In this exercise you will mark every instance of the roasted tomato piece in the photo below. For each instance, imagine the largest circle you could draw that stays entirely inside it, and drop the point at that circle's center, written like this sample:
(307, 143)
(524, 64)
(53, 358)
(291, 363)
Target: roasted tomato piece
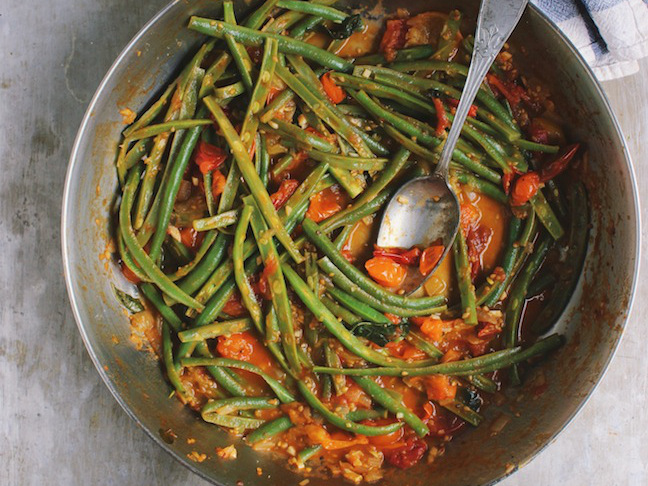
(408, 455)
(429, 258)
(525, 188)
(236, 346)
(386, 271)
(334, 92)
(394, 38)
(209, 157)
(399, 255)
(286, 189)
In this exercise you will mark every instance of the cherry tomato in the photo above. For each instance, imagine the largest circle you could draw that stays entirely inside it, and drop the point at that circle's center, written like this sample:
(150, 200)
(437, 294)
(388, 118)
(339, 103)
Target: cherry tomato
(334, 92)
(209, 157)
(235, 346)
(429, 258)
(386, 271)
(525, 188)
(399, 255)
(325, 204)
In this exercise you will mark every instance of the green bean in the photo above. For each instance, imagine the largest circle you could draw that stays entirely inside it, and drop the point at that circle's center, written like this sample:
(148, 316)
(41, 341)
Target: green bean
(287, 45)
(260, 94)
(176, 251)
(214, 330)
(208, 182)
(262, 160)
(238, 52)
(282, 393)
(230, 91)
(192, 282)
(220, 375)
(277, 285)
(269, 429)
(304, 191)
(167, 352)
(536, 147)
(152, 113)
(482, 382)
(466, 287)
(128, 261)
(167, 127)
(343, 236)
(132, 158)
(328, 13)
(154, 297)
(374, 193)
(170, 190)
(322, 108)
(232, 422)
(482, 364)
(288, 19)
(508, 261)
(214, 73)
(252, 178)
(323, 315)
(259, 16)
(227, 406)
(485, 187)
(276, 104)
(142, 259)
(344, 162)
(419, 341)
(407, 54)
(462, 411)
(317, 236)
(447, 40)
(576, 250)
(341, 422)
(408, 100)
(516, 298)
(547, 216)
(395, 406)
(306, 25)
(339, 311)
(349, 286)
(333, 360)
(217, 221)
(307, 453)
(541, 284)
(358, 307)
(245, 288)
(308, 139)
(366, 414)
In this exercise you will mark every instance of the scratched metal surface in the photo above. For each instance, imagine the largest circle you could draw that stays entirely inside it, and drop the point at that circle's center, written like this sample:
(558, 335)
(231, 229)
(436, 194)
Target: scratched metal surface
(58, 422)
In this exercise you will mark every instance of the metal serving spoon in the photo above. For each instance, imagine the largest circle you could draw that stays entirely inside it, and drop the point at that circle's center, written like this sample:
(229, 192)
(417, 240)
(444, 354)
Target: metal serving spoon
(425, 211)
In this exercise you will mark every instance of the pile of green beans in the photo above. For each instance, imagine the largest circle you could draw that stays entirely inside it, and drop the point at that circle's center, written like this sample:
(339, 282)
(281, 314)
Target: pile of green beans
(272, 120)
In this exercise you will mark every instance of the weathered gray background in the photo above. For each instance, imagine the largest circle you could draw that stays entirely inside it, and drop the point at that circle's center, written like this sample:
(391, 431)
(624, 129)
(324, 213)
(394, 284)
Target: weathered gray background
(58, 423)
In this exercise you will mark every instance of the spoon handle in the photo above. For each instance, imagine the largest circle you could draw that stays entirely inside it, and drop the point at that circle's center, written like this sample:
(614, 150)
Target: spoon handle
(496, 21)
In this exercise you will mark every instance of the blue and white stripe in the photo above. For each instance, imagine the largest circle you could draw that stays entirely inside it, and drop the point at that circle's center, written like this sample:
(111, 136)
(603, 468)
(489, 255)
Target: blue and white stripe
(612, 35)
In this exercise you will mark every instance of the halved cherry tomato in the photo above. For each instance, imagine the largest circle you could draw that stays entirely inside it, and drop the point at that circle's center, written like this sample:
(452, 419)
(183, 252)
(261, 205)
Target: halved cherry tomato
(525, 188)
(218, 183)
(440, 387)
(334, 92)
(236, 346)
(559, 164)
(325, 204)
(394, 38)
(286, 189)
(429, 259)
(455, 102)
(399, 255)
(442, 119)
(386, 271)
(209, 157)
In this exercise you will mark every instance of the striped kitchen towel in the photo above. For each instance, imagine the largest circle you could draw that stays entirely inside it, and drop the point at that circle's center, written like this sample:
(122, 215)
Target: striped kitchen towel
(612, 35)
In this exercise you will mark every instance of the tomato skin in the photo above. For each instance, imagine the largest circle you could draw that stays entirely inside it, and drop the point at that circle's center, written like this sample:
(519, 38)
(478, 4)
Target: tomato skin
(324, 204)
(386, 271)
(507, 179)
(235, 346)
(513, 93)
(286, 189)
(408, 455)
(209, 157)
(442, 119)
(455, 102)
(399, 255)
(394, 38)
(334, 92)
(429, 259)
(559, 164)
(525, 188)
(218, 183)
(477, 241)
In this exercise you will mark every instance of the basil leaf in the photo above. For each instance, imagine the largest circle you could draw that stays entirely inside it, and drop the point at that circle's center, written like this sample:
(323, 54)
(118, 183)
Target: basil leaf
(346, 28)
(132, 304)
